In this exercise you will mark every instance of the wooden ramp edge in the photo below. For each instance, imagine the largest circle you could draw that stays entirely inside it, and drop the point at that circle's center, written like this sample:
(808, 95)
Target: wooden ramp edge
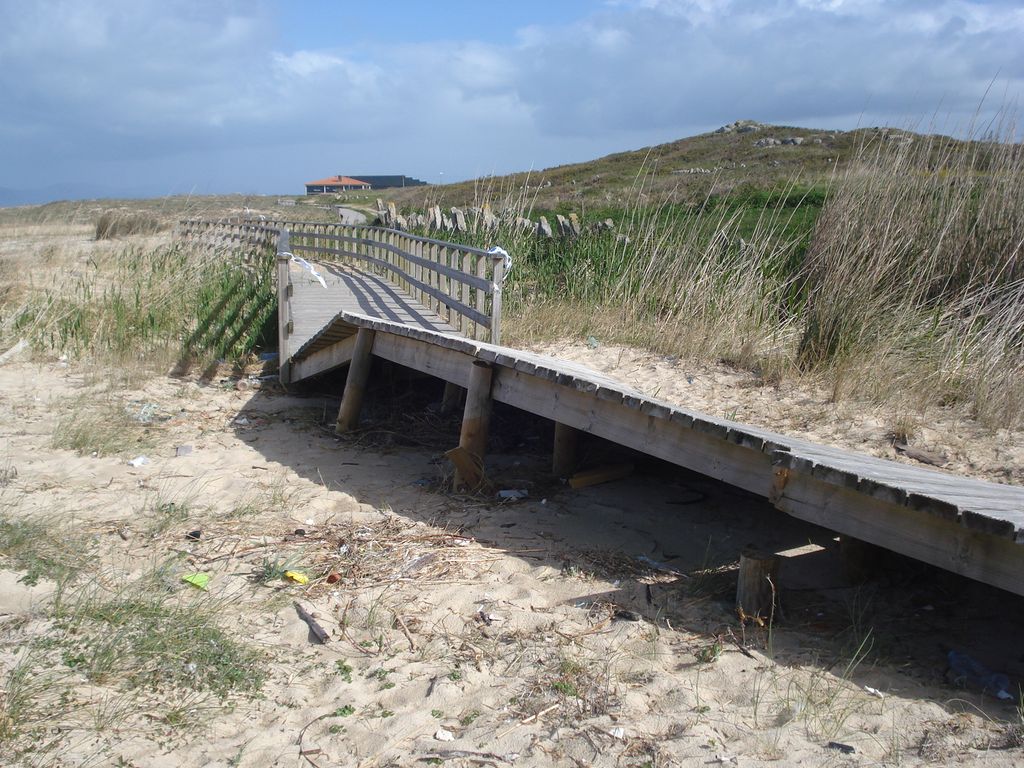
(972, 527)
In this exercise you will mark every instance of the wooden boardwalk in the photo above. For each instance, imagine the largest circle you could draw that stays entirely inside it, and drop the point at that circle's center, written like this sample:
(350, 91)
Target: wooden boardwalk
(971, 527)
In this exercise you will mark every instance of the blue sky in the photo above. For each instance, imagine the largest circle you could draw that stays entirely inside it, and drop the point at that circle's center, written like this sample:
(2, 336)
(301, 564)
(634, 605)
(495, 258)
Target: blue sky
(175, 96)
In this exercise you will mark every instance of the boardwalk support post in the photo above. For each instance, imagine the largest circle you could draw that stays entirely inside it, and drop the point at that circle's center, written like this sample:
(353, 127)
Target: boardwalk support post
(756, 591)
(860, 560)
(563, 459)
(355, 384)
(284, 307)
(450, 399)
(476, 419)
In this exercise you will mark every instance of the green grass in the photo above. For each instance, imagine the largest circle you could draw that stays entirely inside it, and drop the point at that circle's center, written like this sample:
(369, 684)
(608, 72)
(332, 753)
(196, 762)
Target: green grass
(156, 641)
(40, 549)
(154, 306)
(103, 425)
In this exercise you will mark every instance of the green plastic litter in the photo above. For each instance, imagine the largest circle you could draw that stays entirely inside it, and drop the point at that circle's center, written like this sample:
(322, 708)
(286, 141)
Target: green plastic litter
(199, 580)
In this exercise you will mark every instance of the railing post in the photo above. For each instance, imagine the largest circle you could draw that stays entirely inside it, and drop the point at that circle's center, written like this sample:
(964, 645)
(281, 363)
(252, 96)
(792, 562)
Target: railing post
(284, 305)
(499, 278)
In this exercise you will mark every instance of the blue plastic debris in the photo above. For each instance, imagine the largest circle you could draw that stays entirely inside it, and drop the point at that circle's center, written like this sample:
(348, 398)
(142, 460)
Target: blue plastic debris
(965, 671)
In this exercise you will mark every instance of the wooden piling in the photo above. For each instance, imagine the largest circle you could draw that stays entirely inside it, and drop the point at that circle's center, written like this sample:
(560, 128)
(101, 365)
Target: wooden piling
(756, 591)
(563, 457)
(451, 398)
(860, 560)
(476, 420)
(355, 384)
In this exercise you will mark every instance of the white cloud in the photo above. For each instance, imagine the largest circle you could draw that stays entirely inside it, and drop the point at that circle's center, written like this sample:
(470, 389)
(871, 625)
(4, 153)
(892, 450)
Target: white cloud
(146, 82)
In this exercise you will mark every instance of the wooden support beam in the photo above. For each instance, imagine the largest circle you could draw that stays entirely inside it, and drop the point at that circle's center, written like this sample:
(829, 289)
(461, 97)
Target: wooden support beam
(563, 458)
(451, 398)
(911, 532)
(355, 384)
(598, 475)
(324, 360)
(476, 419)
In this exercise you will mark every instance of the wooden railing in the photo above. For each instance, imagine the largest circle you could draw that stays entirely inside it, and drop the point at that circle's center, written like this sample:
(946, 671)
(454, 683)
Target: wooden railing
(460, 283)
(228, 233)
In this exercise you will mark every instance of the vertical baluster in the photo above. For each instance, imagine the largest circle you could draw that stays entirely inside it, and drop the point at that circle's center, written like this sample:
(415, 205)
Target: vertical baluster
(454, 287)
(481, 296)
(454, 315)
(431, 276)
(446, 260)
(403, 261)
(467, 266)
(498, 280)
(417, 271)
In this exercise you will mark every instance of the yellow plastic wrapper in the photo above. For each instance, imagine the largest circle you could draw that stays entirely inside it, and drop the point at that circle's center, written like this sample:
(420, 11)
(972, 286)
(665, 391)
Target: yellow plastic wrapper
(297, 576)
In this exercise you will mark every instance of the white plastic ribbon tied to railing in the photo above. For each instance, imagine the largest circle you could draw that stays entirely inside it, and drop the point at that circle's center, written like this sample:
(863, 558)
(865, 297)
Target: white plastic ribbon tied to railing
(306, 266)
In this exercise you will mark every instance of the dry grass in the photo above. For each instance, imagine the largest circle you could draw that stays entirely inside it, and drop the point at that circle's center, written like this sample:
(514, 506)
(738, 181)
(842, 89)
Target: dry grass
(909, 292)
(915, 277)
(115, 224)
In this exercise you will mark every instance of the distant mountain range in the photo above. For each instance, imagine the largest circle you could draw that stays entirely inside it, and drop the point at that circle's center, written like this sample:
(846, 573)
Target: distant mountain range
(49, 193)
(73, 191)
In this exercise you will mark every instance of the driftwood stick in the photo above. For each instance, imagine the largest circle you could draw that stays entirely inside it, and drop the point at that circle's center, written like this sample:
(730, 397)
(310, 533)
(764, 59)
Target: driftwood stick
(318, 632)
(405, 631)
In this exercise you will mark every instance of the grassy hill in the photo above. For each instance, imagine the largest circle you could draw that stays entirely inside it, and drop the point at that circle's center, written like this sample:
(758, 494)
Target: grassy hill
(683, 171)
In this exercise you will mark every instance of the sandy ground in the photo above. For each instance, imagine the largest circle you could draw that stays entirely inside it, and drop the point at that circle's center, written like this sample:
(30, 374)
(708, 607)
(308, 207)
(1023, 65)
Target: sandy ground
(569, 628)
(572, 628)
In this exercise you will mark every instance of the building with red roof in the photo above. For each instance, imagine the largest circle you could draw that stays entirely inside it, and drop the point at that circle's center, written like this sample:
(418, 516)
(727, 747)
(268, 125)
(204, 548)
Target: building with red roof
(334, 184)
